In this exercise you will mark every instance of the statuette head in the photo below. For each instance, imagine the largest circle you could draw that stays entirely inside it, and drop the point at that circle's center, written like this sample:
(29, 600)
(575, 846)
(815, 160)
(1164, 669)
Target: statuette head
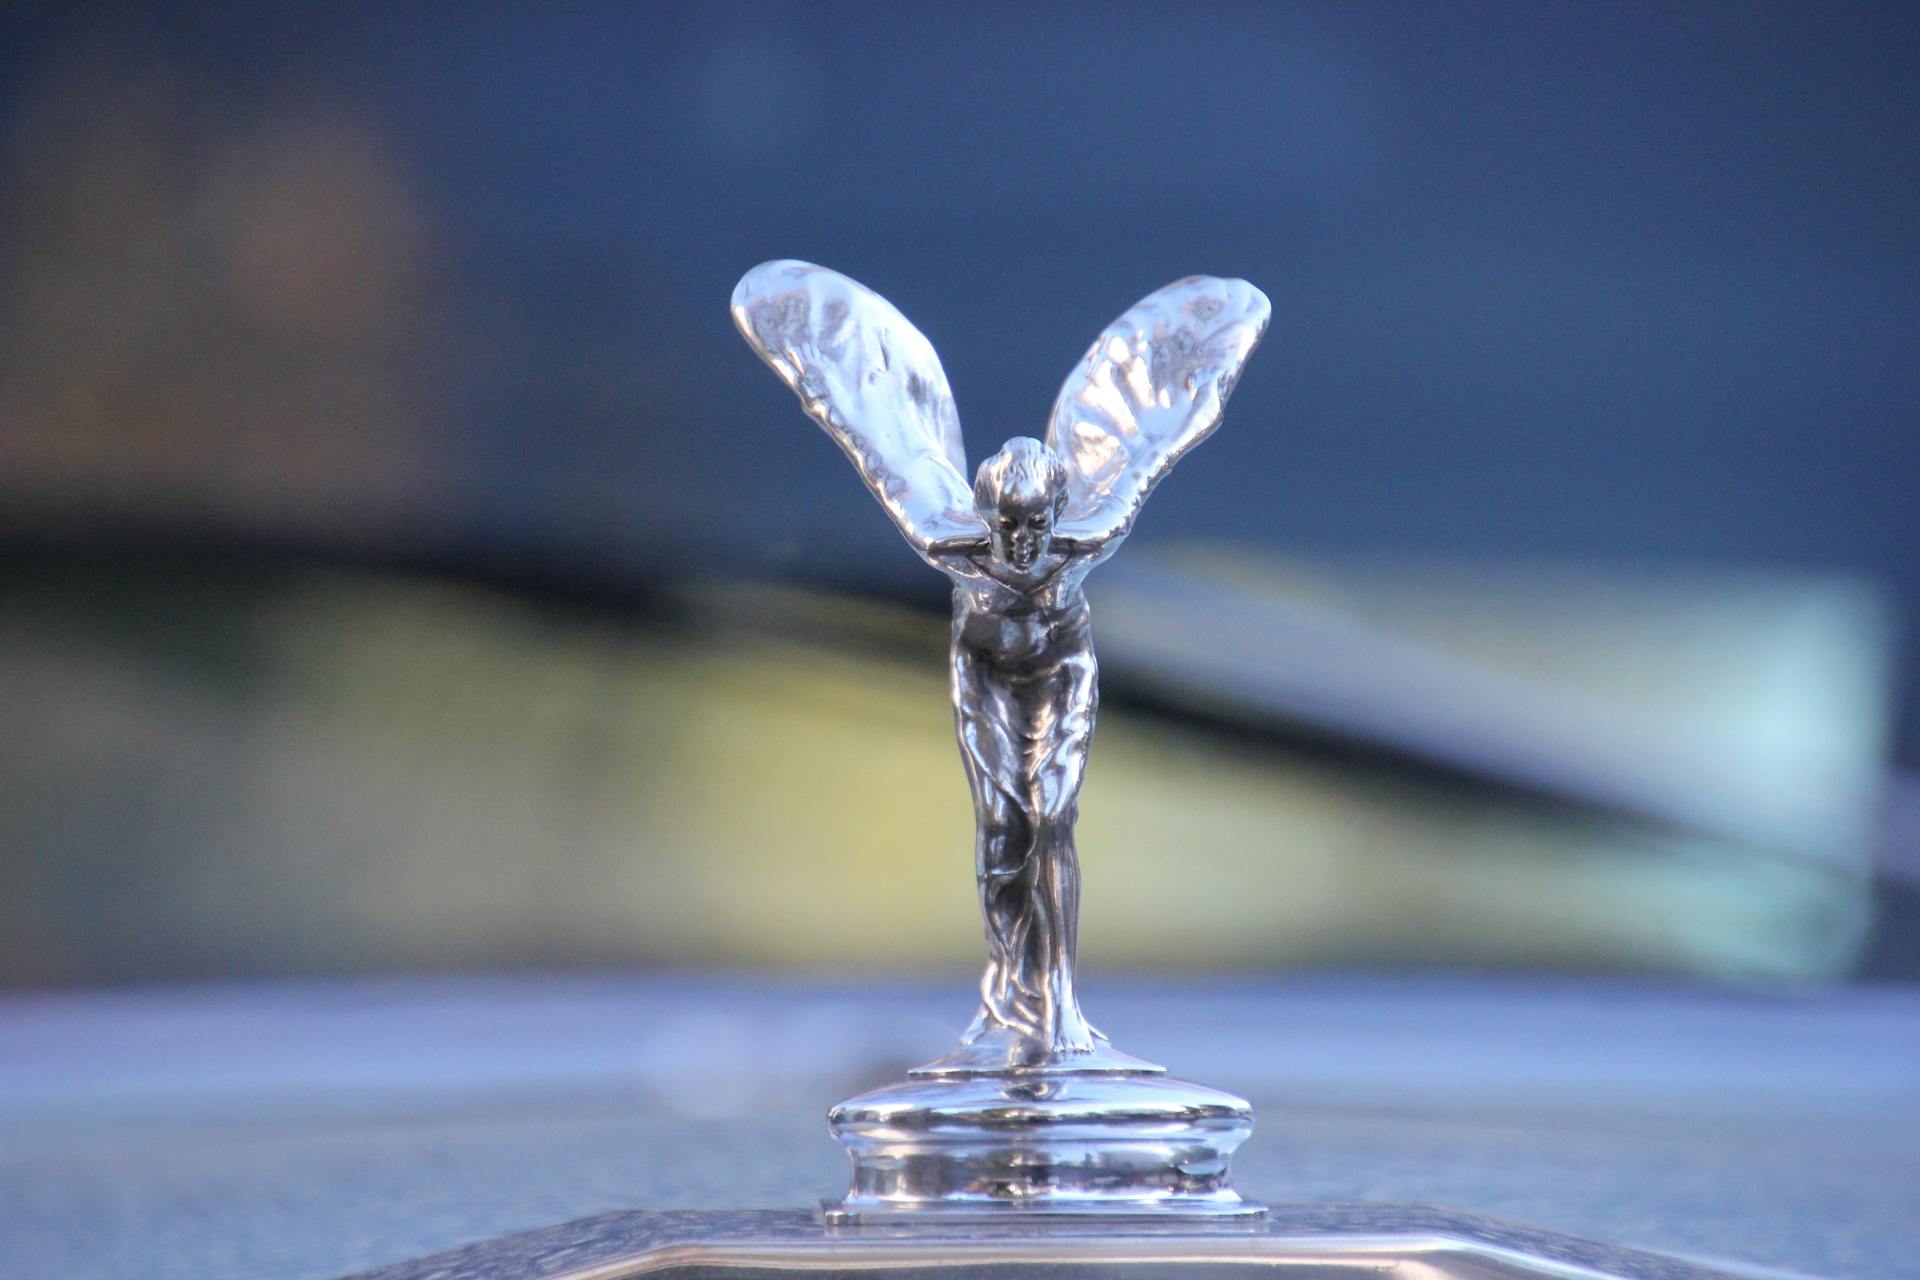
(1020, 492)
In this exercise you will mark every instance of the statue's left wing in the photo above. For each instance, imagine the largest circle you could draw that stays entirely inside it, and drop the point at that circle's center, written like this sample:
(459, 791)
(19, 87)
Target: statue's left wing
(1149, 389)
(873, 382)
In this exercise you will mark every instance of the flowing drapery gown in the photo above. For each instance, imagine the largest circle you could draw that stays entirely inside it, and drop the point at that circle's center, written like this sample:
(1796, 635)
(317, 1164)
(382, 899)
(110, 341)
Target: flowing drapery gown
(1025, 695)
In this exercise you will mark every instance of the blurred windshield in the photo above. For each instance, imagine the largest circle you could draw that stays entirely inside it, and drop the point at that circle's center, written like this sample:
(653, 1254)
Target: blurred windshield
(404, 565)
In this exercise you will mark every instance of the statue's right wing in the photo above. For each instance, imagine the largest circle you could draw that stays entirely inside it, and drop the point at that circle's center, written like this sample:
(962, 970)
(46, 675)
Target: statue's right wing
(872, 381)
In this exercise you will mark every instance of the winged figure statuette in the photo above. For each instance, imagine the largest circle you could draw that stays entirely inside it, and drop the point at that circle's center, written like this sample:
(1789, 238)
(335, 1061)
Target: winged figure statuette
(1017, 540)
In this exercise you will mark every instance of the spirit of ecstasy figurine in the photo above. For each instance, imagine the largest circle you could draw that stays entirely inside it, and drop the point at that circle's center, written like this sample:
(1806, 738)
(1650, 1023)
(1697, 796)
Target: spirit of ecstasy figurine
(1035, 1111)
(1035, 1147)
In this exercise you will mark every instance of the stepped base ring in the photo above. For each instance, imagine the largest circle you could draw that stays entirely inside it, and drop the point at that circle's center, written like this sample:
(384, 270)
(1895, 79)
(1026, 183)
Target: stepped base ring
(1077, 1144)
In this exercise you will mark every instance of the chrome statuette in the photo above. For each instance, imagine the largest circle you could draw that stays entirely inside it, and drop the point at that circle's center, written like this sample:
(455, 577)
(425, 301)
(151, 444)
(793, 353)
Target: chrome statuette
(1034, 1111)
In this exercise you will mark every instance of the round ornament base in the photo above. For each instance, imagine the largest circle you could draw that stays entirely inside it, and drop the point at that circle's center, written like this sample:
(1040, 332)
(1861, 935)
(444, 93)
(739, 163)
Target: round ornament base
(1078, 1143)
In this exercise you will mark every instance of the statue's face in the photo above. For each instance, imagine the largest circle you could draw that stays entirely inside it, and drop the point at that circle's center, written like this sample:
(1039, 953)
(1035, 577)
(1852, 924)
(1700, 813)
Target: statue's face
(1021, 529)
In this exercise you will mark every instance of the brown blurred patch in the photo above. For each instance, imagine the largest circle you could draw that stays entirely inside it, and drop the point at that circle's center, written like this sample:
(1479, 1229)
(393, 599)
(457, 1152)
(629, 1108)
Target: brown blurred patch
(221, 308)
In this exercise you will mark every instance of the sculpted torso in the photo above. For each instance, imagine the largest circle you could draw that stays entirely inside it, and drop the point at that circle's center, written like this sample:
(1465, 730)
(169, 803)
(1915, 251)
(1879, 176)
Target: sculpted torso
(1023, 622)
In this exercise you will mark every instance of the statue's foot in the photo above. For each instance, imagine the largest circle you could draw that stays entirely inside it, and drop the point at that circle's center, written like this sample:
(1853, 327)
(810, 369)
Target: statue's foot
(999, 1049)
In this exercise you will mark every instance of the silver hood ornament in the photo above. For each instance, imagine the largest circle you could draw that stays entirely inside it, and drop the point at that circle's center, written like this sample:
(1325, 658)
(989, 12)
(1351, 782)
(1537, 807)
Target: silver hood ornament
(1035, 1111)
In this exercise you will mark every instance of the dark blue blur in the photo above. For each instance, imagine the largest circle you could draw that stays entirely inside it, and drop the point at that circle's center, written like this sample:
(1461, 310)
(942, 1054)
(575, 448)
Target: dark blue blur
(1623, 284)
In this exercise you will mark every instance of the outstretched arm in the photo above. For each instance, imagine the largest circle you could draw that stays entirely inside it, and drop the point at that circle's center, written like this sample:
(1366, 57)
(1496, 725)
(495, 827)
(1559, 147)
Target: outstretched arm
(874, 384)
(1086, 539)
(1096, 529)
(966, 543)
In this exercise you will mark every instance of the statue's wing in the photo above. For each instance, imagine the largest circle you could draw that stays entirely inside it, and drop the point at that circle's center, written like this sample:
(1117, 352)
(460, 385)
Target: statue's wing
(873, 382)
(1150, 388)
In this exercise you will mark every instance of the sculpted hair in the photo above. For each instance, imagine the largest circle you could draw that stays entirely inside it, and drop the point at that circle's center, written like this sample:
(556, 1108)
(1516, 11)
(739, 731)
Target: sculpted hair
(1024, 469)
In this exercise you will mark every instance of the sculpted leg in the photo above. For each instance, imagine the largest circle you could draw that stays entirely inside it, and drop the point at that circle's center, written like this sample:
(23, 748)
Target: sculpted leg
(1008, 992)
(1004, 834)
(1056, 893)
(1055, 777)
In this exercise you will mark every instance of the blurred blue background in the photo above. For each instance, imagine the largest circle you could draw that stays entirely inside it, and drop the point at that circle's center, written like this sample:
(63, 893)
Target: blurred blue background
(439, 293)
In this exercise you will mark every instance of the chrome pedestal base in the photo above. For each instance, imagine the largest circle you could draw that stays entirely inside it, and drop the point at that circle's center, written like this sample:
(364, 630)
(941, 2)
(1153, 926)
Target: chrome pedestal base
(1105, 1139)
